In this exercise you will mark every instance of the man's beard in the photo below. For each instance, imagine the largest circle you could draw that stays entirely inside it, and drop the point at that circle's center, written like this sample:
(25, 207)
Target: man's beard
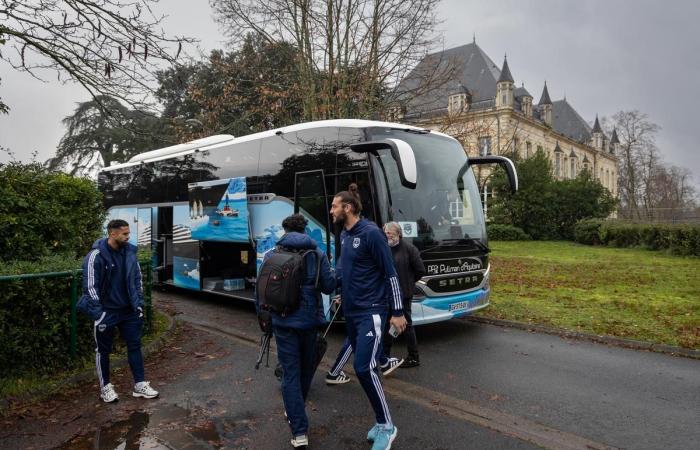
(340, 219)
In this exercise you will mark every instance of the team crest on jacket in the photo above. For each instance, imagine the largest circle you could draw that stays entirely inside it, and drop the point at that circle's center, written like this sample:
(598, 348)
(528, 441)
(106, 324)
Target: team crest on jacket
(355, 242)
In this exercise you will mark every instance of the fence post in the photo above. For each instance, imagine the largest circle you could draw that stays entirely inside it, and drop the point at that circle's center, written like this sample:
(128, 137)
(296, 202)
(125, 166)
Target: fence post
(147, 295)
(73, 314)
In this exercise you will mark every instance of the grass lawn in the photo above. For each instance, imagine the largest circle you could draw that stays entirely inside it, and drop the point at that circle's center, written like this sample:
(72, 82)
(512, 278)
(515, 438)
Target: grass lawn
(21, 385)
(629, 293)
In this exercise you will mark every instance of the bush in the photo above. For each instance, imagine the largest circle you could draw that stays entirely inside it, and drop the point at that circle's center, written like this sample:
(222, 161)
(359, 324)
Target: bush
(44, 213)
(677, 239)
(35, 318)
(587, 231)
(501, 232)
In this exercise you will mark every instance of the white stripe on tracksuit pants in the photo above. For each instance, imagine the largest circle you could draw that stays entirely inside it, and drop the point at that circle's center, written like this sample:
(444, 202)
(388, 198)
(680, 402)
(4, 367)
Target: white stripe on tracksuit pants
(365, 334)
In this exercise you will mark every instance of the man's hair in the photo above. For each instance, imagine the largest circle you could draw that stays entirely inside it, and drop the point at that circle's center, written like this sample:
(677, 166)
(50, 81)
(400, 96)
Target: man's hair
(394, 226)
(116, 224)
(350, 199)
(295, 222)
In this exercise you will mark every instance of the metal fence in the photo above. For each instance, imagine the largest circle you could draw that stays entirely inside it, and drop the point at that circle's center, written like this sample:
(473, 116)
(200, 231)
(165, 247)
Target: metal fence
(76, 281)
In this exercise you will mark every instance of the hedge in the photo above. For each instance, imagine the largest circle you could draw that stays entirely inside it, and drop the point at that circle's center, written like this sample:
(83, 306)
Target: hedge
(502, 232)
(35, 319)
(677, 239)
(44, 213)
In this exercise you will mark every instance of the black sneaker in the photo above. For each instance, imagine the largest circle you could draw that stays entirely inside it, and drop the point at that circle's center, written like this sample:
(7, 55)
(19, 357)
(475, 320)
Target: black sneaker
(410, 361)
(391, 365)
(341, 378)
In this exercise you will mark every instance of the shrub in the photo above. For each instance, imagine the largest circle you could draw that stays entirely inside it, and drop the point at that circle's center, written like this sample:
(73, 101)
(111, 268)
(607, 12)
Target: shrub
(35, 318)
(678, 239)
(502, 232)
(44, 212)
(587, 231)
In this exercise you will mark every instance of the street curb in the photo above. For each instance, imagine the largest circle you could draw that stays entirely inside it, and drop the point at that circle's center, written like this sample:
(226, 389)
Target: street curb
(87, 374)
(601, 339)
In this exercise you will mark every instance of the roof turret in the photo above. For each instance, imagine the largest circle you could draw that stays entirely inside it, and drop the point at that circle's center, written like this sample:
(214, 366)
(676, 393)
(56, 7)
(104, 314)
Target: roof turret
(505, 72)
(544, 99)
(614, 139)
(596, 126)
(558, 149)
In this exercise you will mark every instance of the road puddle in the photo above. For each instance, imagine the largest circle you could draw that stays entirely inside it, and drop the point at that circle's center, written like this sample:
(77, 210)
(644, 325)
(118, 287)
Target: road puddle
(166, 428)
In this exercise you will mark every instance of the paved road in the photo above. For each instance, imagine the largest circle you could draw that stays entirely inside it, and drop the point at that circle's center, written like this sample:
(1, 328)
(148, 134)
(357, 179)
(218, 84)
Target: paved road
(529, 386)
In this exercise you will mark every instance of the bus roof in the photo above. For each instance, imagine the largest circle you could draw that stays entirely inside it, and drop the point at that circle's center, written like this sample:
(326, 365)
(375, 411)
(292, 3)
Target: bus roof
(222, 140)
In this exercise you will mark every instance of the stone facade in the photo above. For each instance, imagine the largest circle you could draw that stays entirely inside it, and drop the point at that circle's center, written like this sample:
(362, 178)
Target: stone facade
(480, 106)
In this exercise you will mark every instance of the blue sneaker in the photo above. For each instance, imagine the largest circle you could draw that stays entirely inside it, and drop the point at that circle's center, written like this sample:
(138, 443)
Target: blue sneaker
(372, 433)
(384, 438)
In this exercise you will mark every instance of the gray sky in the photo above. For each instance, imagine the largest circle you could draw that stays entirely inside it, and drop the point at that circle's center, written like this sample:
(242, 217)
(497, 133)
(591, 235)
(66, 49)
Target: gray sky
(604, 55)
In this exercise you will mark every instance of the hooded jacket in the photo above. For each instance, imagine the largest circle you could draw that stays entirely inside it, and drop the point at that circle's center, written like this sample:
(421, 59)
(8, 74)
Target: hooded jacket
(310, 312)
(98, 267)
(366, 272)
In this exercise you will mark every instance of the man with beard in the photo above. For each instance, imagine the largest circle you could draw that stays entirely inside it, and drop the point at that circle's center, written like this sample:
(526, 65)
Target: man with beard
(368, 281)
(113, 298)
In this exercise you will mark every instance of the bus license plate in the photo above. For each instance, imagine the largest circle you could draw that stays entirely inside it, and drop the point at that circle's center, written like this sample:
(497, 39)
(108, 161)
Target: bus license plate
(459, 306)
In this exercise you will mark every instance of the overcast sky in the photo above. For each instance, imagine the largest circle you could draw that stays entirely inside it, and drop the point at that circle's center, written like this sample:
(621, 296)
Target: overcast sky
(604, 55)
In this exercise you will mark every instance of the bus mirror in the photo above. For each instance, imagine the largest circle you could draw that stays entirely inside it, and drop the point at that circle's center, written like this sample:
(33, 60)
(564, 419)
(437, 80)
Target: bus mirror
(504, 162)
(402, 153)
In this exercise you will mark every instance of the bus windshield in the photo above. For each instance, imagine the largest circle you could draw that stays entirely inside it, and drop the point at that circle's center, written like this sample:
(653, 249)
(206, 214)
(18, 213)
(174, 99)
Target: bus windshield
(445, 205)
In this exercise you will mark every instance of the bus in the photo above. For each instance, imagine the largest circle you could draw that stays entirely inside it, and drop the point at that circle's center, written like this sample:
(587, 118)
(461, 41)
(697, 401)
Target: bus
(209, 209)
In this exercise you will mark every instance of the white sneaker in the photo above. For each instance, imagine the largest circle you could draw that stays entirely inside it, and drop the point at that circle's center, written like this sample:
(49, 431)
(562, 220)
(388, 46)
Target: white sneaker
(341, 378)
(144, 389)
(300, 441)
(391, 365)
(108, 395)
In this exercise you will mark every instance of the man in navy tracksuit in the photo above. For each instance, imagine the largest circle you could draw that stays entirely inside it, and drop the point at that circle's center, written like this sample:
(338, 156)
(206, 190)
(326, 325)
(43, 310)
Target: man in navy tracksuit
(113, 298)
(369, 282)
(295, 333)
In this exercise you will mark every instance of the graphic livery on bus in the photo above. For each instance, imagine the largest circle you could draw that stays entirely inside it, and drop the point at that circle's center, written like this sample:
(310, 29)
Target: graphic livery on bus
(210, 209)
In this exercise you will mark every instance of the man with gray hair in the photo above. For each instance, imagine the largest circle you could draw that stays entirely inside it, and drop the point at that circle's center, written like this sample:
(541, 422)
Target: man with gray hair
(410, 269)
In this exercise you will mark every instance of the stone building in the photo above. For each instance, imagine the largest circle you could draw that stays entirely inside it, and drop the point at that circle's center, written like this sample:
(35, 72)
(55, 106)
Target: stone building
(463, 93)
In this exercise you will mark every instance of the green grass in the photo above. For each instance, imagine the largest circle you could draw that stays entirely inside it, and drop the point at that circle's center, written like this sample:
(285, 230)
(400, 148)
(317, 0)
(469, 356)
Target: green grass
(47, 384)
(629, 293)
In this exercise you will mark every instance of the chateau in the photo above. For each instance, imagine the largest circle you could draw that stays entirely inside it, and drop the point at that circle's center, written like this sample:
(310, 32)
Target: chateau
(463, 93)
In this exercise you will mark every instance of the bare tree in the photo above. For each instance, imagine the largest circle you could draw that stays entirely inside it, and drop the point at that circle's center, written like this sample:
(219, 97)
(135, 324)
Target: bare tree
(637, 156)
(351, 52)
(110, 47)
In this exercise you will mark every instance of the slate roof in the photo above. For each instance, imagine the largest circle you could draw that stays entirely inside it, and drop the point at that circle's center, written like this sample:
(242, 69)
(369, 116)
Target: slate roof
(614, 139)
(521, 92)
(558, 149)
(469, 68)
(505, 72)
(544, 98)
(566, 121)
(596, 126)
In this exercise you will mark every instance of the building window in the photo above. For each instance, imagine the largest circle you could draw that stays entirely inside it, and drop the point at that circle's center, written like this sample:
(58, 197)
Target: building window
(528, 149)
(485, 145)
(516, 146)
(456, 103)
(539, 148)
(557, 164)
(573, 167)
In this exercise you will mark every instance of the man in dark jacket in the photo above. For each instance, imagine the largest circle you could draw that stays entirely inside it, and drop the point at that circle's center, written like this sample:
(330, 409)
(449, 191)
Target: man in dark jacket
(368, 279)
(295, 333)
(113, 298)
(410, 268)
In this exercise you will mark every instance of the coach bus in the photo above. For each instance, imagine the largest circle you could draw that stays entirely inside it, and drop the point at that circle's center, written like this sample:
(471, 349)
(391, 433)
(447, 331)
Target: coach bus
(209, 209)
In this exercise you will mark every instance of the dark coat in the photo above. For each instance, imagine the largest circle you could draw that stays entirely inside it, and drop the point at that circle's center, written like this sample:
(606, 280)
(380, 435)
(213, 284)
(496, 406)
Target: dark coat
(409, 266)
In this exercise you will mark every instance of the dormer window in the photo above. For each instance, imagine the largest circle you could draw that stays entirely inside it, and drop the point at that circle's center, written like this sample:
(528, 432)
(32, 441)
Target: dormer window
(457, 103)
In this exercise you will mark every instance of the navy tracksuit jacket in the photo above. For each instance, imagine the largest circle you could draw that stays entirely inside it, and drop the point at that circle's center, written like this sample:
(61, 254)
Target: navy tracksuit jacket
(113, 298)
(369, 285)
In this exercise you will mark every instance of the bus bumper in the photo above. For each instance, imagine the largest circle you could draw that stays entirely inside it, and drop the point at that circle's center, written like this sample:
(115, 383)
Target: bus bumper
(437, 309)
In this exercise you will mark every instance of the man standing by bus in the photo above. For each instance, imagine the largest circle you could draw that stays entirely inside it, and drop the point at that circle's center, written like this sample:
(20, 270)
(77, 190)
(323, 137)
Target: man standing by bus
(113, 298)
(368, 281)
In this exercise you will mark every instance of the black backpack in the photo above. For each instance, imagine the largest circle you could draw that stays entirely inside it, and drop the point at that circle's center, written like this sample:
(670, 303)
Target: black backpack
(279, 282)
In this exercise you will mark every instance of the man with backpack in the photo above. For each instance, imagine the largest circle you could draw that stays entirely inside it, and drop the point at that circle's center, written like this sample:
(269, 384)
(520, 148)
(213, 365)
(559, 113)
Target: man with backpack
(369, 282)
(288, 285)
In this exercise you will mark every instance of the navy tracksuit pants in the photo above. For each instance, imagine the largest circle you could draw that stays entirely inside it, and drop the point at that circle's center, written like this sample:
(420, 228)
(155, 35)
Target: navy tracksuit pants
(364, 332)
(129, 325)
(296, 350)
